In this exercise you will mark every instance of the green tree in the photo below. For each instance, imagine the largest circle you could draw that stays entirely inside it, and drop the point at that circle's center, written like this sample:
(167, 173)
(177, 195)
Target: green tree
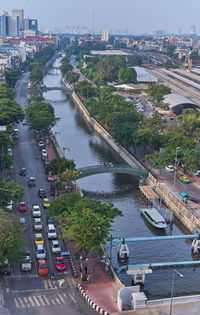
(65, 68)
(127, 75)
(11, 237)
(36, 74)
(38, 106)
(157, 91)
(86, 221)
(85, 89)
(189, 120)
(191, 159)
(12, 75)
(5, 91)
(10, 112)
(72, 77)
(59, 165)
(42, 121)
(9, 190)
(134, 60)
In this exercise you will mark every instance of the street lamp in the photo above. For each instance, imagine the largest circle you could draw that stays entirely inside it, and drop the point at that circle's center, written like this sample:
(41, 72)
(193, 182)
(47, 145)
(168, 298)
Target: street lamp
(177, 148)
(172, 289)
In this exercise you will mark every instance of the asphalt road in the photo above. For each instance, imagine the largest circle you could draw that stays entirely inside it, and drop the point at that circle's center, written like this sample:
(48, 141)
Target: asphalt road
(26, 292)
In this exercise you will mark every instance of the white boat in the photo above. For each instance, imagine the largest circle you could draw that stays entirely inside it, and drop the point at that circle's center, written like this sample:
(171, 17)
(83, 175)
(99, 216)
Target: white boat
(154, 217)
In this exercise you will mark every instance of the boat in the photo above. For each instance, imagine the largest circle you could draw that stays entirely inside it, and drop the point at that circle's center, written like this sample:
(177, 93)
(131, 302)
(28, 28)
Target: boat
(154, 217)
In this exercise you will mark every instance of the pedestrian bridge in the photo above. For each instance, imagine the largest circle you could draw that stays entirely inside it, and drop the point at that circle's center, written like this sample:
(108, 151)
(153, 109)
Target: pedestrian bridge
(44, 89)
(111, 168)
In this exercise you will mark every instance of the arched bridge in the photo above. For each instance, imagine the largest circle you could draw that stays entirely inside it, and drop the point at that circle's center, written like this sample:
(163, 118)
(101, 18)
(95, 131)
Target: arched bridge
(111, 168)
(44, 88)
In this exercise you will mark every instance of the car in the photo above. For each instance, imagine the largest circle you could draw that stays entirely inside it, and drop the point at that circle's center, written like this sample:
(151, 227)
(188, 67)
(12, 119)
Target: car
(53, 189)
(22, 221)
(55, 247)
(10, 205)
(36, 211)
(27, 263)
(184, 179)
(5, 269)
(31, 182)
(51, 231)
(10, 151)
(22, 172)
(46, 203)
(50, 178)
(38, 239)
(42, 193)
(22, 206)
(24, 122)
(37, 224)
(42, 267)
(51, 220)
(41, 144)
(60, 264)
(170, 168)
(40, 252)
(44, 153)
(197, 173)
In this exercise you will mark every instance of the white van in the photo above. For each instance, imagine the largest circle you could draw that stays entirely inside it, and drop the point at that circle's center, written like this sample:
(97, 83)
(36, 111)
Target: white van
(51, 231)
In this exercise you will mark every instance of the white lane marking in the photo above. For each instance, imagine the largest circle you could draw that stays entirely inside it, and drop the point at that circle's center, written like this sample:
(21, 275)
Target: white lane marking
(45, 284)
(21, 302)
(26, 301)
(53, 302)
(36, 300)
(46, 300)
(50, 283)
(41, 300)
(31, 301)
(72, 298)
(16, 303)
(61, 298)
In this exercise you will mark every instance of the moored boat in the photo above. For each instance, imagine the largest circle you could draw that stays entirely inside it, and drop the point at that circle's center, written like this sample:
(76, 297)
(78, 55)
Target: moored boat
(154, 217)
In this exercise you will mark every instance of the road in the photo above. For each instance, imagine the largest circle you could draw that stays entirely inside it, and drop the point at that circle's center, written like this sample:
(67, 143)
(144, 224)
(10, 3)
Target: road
(26, 292)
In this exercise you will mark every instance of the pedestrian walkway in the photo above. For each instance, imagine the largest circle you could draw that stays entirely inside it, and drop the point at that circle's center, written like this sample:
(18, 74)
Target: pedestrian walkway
(50, 152)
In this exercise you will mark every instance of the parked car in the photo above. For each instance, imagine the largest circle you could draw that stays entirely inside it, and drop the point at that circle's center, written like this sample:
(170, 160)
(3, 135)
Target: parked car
(10, 151)
(5, 269)
(10, 205)
(51, 231)
(41, 144)
(50, 178)
(38, 239)
(31, 182)
(37, 224)
(44, 153)
(170, 168)
(197, 173)
(60, 264)
(42, 193)
(22, 172)
(24, 122)
(51, 220)
(27, 263)
(40, 252)
(53, 189)
(23, 223)
(55, 247)
(184, 179)
(42, 268)
(46, 203)
(22, 206)
(36, 211)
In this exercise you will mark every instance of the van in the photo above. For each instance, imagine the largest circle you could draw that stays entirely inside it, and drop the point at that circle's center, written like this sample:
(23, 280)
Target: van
(51, 231)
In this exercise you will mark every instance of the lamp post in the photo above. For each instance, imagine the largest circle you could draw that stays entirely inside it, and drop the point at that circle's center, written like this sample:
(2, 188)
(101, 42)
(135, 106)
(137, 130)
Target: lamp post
(177, 148)
(172, 288)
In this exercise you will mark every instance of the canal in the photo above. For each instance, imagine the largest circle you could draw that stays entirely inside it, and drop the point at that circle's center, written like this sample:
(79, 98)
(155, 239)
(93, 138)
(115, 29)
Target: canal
(87, 148)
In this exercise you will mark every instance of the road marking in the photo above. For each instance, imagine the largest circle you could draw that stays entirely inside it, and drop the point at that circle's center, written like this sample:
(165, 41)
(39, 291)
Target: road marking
(47, 301)
(58, 301)
(45, 284)
(53, 302)
(31, 301)
(21, 302)
(41, 300)
(62, 299)
(72, 298)
(26, 301)
(36, 301)
(16, 303)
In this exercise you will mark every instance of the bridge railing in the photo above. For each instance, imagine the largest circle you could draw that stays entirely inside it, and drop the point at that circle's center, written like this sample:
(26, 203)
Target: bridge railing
(108, 165)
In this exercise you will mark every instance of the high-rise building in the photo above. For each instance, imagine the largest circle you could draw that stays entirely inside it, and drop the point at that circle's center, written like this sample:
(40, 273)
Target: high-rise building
(33, 25)
(13, 25)
(4, 24)
(20, 14)
(105, 35)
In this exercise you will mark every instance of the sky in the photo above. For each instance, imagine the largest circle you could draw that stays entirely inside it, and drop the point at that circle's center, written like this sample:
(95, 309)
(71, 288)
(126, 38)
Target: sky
(141, 16)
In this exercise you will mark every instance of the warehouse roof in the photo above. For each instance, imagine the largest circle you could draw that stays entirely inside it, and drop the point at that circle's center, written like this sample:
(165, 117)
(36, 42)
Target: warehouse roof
(179, 102)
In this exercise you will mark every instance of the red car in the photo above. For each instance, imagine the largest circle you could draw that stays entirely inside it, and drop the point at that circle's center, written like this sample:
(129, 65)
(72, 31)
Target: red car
(22, 206)
(50, 178)
(60, 264)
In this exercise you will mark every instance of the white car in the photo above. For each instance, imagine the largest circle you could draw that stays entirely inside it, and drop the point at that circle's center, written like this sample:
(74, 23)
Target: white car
(55, 247)
(37, 224)
(10, 205)
(197, 173)
(27, 263)
(41, 144)
(44, 153)
(40, 252)
(10, 151)
(170, 168)
(36, 211)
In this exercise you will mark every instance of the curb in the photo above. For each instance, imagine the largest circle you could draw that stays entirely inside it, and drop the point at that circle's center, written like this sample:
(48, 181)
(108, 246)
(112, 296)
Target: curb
(91, 303)
(73, 267)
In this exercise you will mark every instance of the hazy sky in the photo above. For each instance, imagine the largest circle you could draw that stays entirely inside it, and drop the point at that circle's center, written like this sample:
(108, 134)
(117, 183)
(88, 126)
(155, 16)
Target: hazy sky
(141, 16)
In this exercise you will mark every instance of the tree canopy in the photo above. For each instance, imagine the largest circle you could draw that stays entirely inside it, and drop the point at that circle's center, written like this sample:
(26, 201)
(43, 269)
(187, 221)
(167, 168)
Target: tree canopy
(10, 112)
(157, 91)
(59, 165)
(127, 75)
(9, 190)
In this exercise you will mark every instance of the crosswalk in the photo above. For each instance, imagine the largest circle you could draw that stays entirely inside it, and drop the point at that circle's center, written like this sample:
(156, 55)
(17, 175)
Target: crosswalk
(48, 284)
(43, 300)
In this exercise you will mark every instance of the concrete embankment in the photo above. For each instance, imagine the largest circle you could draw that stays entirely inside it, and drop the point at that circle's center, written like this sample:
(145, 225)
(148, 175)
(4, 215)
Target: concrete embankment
(169, 198)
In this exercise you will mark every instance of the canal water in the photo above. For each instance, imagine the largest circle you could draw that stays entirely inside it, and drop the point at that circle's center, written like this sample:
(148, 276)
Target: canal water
(87, 148)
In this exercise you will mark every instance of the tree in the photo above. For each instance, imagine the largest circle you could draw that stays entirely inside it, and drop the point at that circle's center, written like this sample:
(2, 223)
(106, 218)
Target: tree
(38, 106)
(36, 74)
(134, 60)
(59, 165)
(72, 77)
(157, 91)
(5, 91)
(85, 89)
(11, 237)
(10, 112)
(189, 120)
(42, 121)
(12, 75)
(127, 75)
(191, 159)
(65, 68)
(86, 221)
(9, 190)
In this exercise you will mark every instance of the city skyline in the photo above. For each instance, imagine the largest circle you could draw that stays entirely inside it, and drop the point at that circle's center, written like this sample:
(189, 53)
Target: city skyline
(138, 17)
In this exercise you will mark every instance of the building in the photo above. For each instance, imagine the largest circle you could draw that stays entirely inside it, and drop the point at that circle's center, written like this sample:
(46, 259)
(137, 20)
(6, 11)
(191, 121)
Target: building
(20, 14)
(105, 35)
(143, 76)
(177, 103)
(13, 26)
(4, 27)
